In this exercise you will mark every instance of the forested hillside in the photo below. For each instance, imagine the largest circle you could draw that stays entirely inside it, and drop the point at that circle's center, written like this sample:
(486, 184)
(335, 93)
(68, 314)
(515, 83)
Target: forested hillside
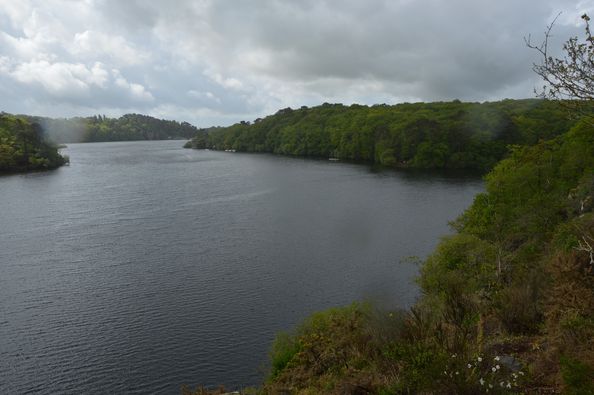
(423, 135)
(507, 303)
(23, 147)
(100, 128)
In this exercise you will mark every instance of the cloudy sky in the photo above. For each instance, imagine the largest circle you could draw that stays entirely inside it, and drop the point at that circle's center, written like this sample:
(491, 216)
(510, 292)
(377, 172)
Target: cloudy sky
(215, 62)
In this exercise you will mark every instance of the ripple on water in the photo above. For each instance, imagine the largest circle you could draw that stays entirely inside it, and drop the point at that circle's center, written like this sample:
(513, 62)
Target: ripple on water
(144, 266)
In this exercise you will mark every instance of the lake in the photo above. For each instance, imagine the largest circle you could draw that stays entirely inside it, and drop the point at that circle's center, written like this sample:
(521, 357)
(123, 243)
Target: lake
(143, 266)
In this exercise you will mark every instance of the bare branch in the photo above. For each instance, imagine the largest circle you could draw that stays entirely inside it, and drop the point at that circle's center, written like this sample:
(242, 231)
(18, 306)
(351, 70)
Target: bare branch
(585, 246)
(571, 78)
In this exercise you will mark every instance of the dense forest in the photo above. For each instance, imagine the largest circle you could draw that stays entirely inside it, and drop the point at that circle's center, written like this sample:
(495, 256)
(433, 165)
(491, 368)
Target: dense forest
(128, 127)
(423, 135)
(24, 148)
(507, 302)
(200, 139)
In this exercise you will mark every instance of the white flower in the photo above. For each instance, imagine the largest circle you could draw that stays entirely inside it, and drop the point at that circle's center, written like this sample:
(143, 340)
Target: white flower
(508, 385)
(496, 358)
(457, 373)
(501, 384)
(454, 355)
(479, 359)
(469, 366)
(515, 375)
(497, 367)
(493, 369)
(482, 381)
(521, 373)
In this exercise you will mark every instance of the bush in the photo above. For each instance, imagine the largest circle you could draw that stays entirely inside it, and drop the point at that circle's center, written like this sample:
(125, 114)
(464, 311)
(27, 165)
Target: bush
(518, 308)
(577, 377)
(457, 280)
(461, 257)
(284, 348)
(420, 365)
(341, 350)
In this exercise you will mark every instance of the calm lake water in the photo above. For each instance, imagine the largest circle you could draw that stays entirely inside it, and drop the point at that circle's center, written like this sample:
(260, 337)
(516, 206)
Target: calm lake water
(144, 266)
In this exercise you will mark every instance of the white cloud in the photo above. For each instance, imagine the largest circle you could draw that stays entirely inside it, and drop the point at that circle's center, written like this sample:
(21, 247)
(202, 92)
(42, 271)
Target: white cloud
(58, 79)
(194, 94)
(4, 65)
(17, 12)
(136, 91)
(93, 44)
(73, 82)
(226, 82)
(212, 61)
(22, 47)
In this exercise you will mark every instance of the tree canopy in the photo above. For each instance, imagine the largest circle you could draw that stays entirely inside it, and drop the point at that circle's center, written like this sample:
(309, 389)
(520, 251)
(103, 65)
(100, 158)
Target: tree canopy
(423, 135)
(506, 305)
(128, 127)
(23, 146)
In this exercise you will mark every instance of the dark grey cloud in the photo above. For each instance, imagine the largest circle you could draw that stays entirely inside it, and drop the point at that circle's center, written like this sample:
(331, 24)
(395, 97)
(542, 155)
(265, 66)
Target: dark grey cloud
(449, 49)
(221, 61)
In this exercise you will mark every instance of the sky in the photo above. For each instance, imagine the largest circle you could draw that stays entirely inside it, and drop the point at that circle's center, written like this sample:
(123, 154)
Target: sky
(216, 62)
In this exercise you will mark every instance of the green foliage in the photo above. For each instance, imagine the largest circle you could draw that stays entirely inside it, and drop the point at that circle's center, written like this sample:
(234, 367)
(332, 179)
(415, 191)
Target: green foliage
(331, 352)
(387, 157)
(461, 258)
(420, 365)
(200, 139)
(135, 127)
(515, 258)
(23, 146)
(284, 349)
(424, 135)
(128, 127)
(578, 377)
(514, 286)
(527, 198)
(519, 267)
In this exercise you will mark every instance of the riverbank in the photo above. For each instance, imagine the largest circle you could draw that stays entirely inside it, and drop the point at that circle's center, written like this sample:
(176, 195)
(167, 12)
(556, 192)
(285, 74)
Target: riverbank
(507, 303)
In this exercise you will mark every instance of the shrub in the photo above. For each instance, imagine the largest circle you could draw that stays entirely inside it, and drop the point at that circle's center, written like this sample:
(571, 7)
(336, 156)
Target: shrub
(329, 350)
(518, 307)
(419, 365)
(577, 377)
(461, 257)
(284, 349)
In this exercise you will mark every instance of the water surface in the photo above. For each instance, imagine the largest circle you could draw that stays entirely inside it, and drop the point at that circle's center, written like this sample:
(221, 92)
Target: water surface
(144, 266)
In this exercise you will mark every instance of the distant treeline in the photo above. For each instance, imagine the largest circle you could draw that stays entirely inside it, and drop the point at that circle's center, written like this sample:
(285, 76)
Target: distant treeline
(129, 127)
(24, 148)
(423, 135)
